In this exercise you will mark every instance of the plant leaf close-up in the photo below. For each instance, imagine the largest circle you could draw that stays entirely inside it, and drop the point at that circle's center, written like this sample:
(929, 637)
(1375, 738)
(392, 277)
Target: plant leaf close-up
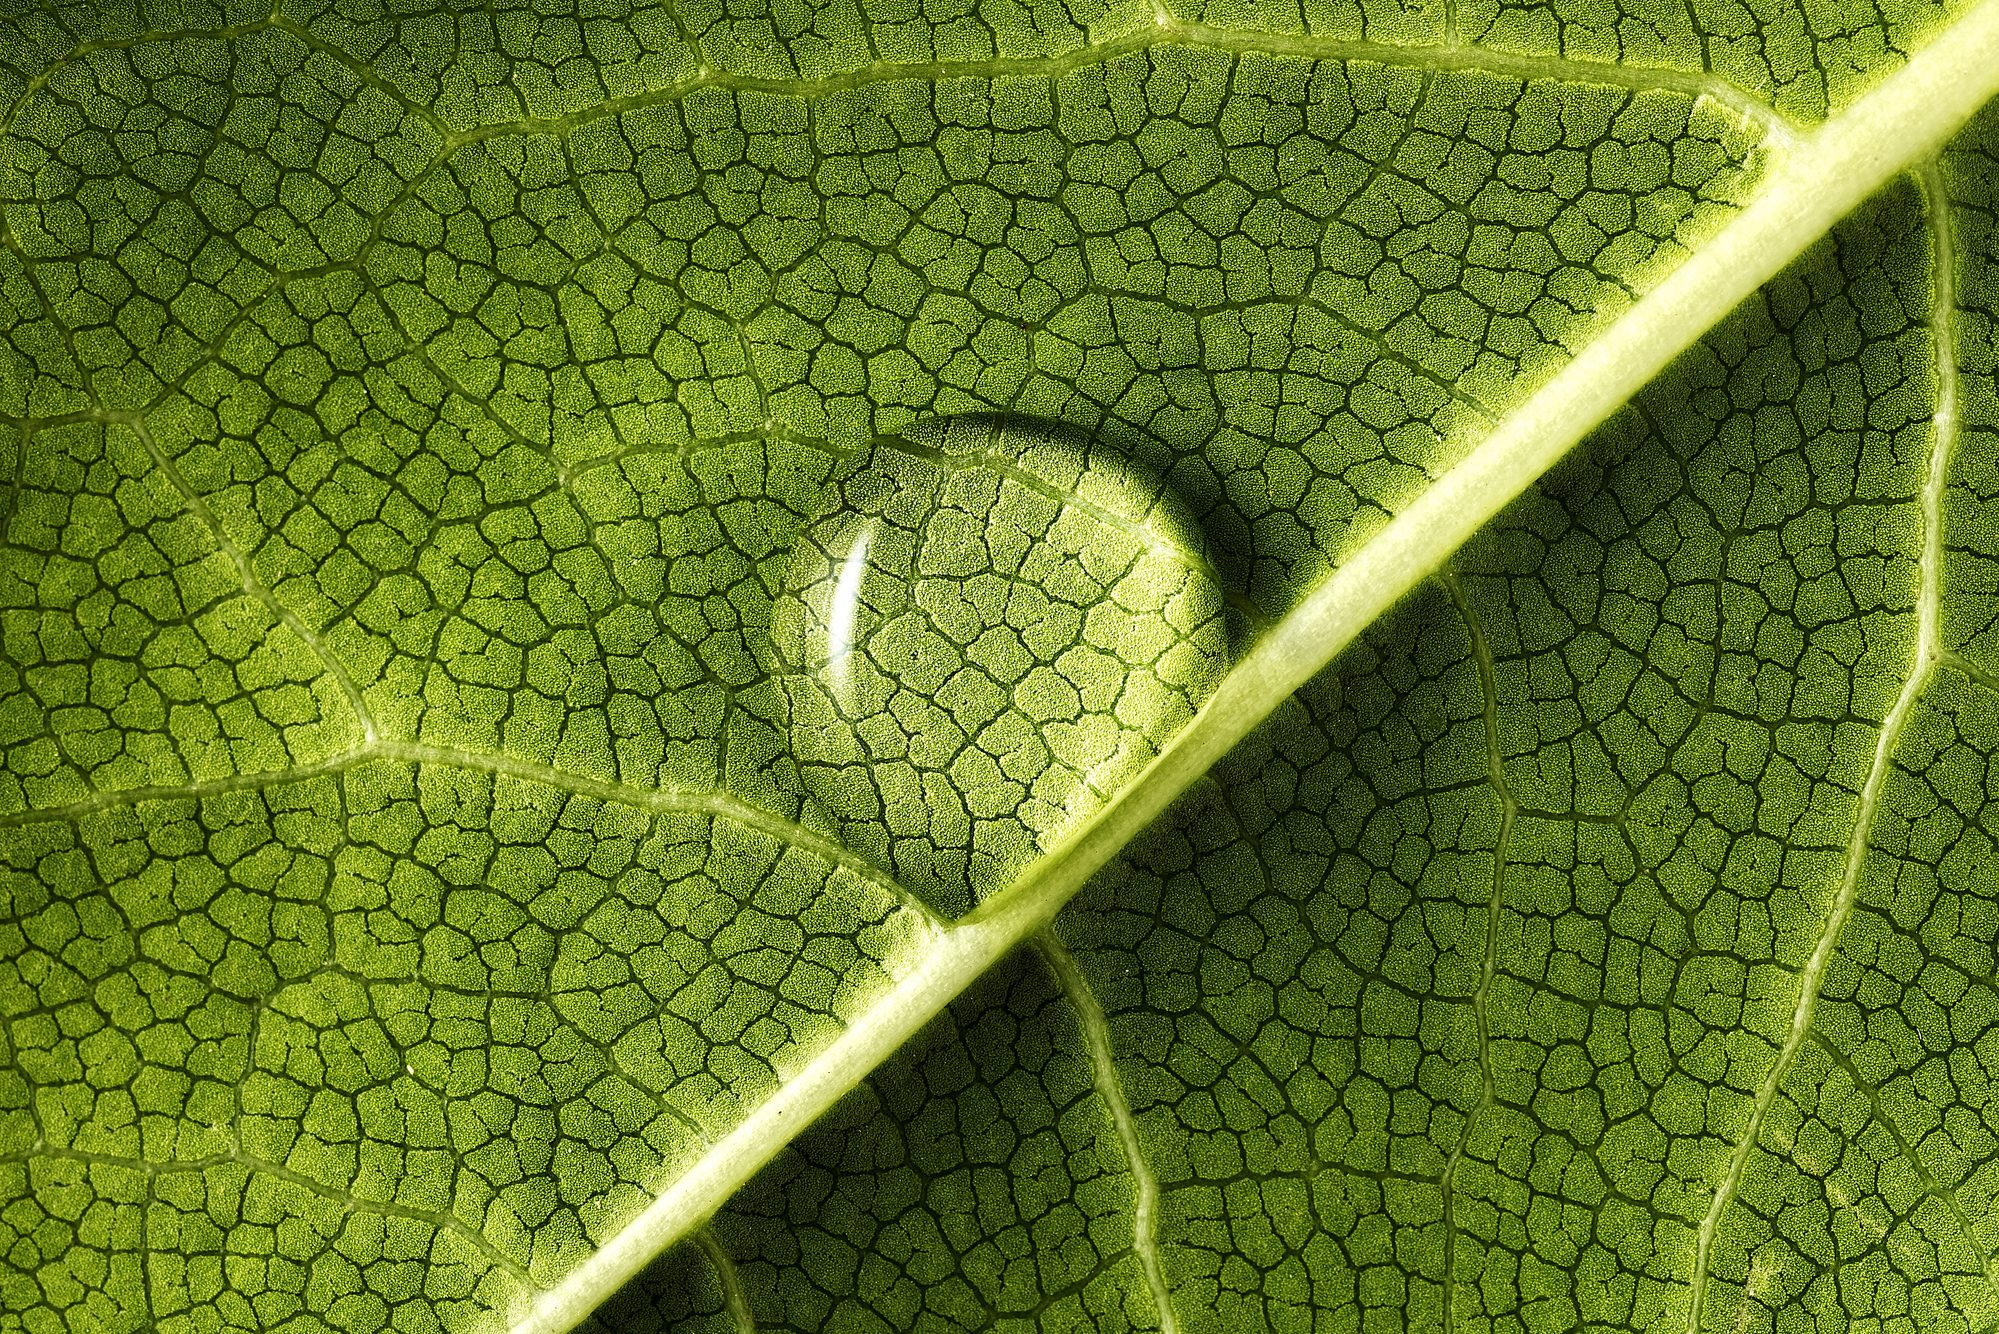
(952, 664)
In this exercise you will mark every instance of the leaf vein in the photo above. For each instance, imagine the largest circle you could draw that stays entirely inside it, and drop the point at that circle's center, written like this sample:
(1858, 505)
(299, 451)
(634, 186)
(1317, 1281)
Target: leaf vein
(1096, 1029)
(1922, 666)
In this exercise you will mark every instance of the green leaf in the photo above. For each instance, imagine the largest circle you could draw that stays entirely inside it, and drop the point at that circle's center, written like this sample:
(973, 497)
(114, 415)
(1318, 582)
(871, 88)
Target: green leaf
(437, 882)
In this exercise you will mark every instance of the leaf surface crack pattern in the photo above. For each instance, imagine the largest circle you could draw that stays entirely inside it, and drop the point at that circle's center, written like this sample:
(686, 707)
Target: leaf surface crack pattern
(405, 867)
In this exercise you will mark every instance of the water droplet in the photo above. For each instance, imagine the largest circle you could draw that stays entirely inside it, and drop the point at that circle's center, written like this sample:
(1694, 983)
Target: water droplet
(986, 631)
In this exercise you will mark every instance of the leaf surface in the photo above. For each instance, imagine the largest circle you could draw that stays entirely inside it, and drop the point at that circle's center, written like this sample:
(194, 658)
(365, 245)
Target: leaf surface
(413, 875)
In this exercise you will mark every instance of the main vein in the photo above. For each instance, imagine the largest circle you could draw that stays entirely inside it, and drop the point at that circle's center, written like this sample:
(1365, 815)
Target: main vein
(1815, 183)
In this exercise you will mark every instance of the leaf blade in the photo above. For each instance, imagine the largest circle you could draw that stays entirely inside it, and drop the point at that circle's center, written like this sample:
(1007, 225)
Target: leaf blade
(1898, 125)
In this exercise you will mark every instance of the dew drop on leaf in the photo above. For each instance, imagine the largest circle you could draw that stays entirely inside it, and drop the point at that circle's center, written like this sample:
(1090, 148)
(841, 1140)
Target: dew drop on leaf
(986, 630)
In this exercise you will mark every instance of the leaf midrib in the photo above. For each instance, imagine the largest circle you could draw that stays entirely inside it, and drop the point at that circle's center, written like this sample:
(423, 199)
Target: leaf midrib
(1819, 181)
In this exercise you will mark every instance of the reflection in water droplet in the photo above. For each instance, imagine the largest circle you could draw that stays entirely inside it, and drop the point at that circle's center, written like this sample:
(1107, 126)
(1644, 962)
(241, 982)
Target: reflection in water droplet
(986, 631)
(840, 623)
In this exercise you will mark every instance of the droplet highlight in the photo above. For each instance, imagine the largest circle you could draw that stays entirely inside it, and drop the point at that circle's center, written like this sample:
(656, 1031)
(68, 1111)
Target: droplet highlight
(986, 631)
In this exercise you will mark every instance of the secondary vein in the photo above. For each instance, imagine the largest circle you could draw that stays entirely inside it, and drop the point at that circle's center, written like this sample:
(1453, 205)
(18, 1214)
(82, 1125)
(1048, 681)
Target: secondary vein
(1096, 1029)
(1923, 661)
